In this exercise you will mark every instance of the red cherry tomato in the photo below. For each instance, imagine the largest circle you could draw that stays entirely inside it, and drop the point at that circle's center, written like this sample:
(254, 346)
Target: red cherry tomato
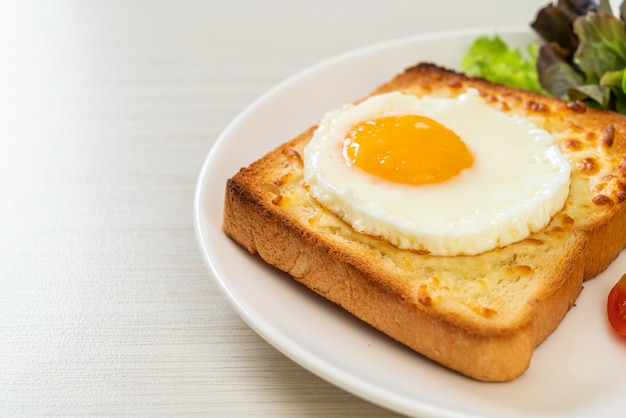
(616, 306)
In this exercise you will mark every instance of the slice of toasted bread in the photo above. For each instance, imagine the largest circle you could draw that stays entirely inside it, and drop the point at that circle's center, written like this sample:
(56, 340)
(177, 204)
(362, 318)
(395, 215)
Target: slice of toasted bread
(480, 315)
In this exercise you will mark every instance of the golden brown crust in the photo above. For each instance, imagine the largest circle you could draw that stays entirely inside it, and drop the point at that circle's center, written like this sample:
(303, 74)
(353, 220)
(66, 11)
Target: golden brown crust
(479, 315)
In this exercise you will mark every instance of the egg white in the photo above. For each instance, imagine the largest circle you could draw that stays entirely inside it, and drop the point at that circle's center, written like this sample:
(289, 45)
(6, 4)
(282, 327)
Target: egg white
(518, 181)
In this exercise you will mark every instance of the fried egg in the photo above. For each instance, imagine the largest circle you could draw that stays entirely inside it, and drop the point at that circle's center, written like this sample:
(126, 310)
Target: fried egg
(444, 176)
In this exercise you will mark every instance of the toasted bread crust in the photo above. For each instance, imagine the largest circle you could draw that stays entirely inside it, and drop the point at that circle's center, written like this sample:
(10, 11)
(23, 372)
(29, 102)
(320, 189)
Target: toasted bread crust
(479, 315)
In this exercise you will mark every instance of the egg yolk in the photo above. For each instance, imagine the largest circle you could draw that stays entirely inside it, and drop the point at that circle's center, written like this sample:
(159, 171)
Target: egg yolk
(409, 149)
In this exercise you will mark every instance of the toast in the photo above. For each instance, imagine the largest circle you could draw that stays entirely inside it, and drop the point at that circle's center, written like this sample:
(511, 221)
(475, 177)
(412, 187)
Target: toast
(480, 315)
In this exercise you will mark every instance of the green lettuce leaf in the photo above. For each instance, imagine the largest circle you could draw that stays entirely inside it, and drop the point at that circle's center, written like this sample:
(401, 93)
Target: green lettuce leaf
(491, 58)
(602, 45)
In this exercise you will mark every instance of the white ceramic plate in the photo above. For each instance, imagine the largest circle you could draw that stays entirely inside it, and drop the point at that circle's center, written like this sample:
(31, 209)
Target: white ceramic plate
(579, 371)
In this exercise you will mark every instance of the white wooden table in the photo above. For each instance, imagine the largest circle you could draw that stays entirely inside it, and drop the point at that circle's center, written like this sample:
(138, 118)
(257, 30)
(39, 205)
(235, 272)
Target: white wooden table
(107, 112)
